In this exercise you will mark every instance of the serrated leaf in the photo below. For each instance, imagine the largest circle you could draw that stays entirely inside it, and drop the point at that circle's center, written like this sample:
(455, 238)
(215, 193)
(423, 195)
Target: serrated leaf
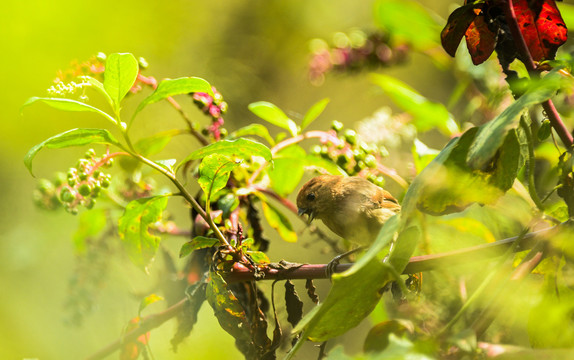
(119, 77)
(492, 134)
(314, 112)
(287, 170)
(278, 221)
(74, 137)
(171, 87)
(426, 114)
(272, 114)
(198, 242)
(68, 105)
(253, 130)
(239, 148)
(214, 172)
(91, 223)
(148, 300)
(133, 227)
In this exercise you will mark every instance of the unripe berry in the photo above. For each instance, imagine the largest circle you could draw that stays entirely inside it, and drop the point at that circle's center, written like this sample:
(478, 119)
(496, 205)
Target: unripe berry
(45, 186)
(351, 136)
(67, 196)
(370, 161)
(316, 150)
(90, 154)
(336, 125)
(60, 179)
(84, 189)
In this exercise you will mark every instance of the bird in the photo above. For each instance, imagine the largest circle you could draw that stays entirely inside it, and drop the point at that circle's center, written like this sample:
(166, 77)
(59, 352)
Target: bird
(350, 206)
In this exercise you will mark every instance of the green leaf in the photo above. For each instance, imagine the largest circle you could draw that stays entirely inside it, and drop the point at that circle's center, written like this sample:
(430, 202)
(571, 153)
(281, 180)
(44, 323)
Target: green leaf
(408, 22)
(68, 105)
(240, 148)
(171, 87)
(314, 112)
(352, 298)
(253, 130)
(91, 223)
(198, 242)
(492, 134)
(229, 312)
(119, 77)
(287, 170)
(278, 221)
(272, 114)
(133, 227)
(426, 114)
(258, 256)
(448, 185)
(148, 300)
(74, 137)
(422, 155)
(214, 172)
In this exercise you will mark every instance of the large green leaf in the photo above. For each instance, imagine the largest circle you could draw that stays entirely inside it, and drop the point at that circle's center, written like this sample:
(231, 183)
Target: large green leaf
(172, 87)
(198, 242)
(272, 114)
(448, 185)
(74, 137)
(287, 170)
(426, 114)
(492, 134)
(133, 227)
(314, 112)
(155, 143)
(119, 77)
(214, 172)
(253, 130)
(239, 148)
(408, 22)
(99, 87)
(68, 105)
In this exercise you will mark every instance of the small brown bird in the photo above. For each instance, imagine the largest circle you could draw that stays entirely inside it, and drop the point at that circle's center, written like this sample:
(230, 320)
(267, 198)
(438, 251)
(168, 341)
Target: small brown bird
(351, 207)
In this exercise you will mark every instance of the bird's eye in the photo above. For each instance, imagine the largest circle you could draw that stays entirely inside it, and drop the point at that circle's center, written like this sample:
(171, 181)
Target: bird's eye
(310, 196)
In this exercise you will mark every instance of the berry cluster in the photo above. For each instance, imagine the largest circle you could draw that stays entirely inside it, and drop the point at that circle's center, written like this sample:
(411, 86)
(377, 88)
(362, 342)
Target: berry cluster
(81, 186)
(352, 154)
(214, 107)
(353, 51)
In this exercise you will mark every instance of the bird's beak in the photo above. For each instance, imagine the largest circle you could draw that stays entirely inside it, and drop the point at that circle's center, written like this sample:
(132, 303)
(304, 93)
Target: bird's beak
(310, 215)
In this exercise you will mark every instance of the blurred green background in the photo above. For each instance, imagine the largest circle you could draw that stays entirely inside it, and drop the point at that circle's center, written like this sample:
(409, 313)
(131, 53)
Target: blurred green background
(250, 50)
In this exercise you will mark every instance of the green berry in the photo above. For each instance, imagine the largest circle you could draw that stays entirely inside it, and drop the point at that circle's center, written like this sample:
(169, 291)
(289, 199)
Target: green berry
(316, 150)
(105, 182)
(85, 190)
(383, 151)
(90, 154)
(351, 136)
(223, 132)
(371, 161)
(101, 57)
(336, 125)
(109, 163)
(358, 155)
(67, 196)
(143, 64)
(342, 160)
(90, 204)
(45, 186)
(380, 181)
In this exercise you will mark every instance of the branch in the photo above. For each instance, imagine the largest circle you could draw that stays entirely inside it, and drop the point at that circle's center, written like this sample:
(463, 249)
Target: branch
(318, 271)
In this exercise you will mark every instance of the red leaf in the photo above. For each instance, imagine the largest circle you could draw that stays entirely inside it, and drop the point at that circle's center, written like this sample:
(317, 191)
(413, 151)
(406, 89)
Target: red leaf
(542, 27)
(480, 40)
(553, 31)
(456, 26)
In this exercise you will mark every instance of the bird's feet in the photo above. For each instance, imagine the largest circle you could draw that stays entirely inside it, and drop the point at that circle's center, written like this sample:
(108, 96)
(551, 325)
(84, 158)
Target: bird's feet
(332, 265)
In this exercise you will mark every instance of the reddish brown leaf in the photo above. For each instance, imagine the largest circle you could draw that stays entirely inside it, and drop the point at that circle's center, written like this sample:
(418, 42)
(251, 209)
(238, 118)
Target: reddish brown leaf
(527, 24)
(553, 31)
(480, 40)
(542, 27)
(456, 26)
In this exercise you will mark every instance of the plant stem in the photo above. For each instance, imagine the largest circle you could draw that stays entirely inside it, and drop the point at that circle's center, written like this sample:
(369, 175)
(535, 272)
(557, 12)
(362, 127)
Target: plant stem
(531, 164)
